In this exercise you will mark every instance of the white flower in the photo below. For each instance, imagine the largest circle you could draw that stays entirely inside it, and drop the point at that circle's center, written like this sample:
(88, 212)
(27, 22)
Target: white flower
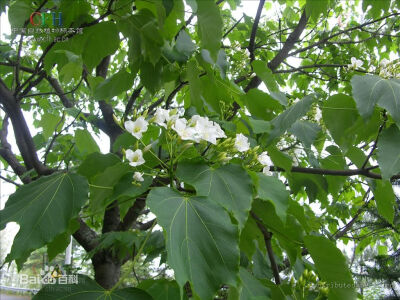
(137, 176)
(241, 143)
(384, 62)
(264, 159)
(135, 157)
(161, 116)
(185, 132)
(137, 128)
(267, 171)
(197, 129)
(355, 63)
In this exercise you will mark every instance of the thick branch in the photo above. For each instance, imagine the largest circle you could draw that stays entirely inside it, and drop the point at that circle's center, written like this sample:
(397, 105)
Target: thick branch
(22, 134)
(132, 215)
(8, 155)
(86, 236)
(106, 109)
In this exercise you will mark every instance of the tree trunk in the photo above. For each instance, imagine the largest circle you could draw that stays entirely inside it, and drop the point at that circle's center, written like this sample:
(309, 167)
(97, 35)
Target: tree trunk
(107, 270)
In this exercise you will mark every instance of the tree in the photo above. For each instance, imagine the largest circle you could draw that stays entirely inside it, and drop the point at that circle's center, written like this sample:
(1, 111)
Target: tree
(226, 130)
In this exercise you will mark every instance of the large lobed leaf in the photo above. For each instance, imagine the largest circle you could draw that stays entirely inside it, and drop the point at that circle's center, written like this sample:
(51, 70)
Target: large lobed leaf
(370, 90)
(389, 152)
(88, 289)
(332, 267)
(202, 243)
(229, 186)
(43, 209)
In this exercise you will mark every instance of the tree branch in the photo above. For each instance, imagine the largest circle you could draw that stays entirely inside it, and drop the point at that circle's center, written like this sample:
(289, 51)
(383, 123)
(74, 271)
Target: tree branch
(132, 99)
(278, 59)
(339, 33)
(347, 227)
(132, 215)
(233, 27)
(86, 236)
(267, 239)
(375, 143)
(22, 134)
(349, 172)
(8, 155)
(254, 29)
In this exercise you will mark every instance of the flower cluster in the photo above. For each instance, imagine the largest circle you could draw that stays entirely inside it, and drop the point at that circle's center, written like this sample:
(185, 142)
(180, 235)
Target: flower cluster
(355, 63)
(388, 69)
(195, 129)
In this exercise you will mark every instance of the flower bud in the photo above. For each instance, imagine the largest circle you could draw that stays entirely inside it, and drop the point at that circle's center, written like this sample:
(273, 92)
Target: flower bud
(187, 146)
(147, 148)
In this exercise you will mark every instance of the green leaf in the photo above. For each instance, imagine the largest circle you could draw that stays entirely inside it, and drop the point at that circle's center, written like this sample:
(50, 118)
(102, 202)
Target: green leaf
(265, 73)
(377, 6)
(261, 105)
(119, 243)
(96, 163)
(305, 131)
(271, 188)
(125, 188)
(370, 90)
(389, 152)
(184, 44)
(332, 267)
(161, 289)
(385, 199)
(195, 86)
(340, 107)
(280, 159)
(335, 161)
(88, 289)
(61, 241)
(315, 186)
(74, 13)
(19, 12)
(85, 142)
(101, 40)
(316, 7)
(229, 186)
(150, 76)
(286, 119)
(114, 85)
(202, 243)
(252, 288)
(210, 26)
(260, 126)
(102, 185)
(49, 122)
(43, 210)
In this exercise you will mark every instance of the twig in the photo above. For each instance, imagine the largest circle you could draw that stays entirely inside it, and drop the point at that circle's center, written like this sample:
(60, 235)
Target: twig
(375, 142)
(254, 29)
(9, 181)
(267, 239)
(233, 27)
(339, 233)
